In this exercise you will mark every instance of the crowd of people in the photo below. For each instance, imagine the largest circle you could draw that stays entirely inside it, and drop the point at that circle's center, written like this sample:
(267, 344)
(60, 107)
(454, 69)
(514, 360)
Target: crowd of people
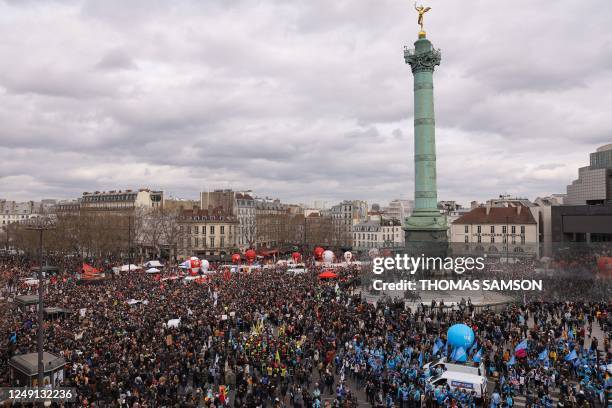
(275, 339)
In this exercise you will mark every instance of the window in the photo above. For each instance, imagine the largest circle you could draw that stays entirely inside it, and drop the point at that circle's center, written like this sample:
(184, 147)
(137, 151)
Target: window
(514, 229)
(212, 241)
(479, 239)
(467, 239)
(522, 240)
(466, 229)
(492, 229)
(513, 239)
(222, 239)
(522, 229)
(222, 231)
(478, 229)
(196, 230)
(197, 242)
(504, 229)
(492, 239)
(505, 239)
(212, 230)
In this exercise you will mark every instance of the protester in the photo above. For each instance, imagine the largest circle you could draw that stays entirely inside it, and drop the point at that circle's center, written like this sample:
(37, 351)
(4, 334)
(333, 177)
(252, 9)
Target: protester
(275, 339)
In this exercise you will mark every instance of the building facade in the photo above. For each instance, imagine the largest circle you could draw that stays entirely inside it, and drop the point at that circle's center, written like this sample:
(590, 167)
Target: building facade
(378, 233)
(594, 183)
(510, 231)
(207, 233)
(121, 201)
(344, 216)
(14, 211)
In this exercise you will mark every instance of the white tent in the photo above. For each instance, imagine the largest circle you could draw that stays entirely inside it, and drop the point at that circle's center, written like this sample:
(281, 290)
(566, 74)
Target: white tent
(153, 264)
(131, 267)
(152, 270)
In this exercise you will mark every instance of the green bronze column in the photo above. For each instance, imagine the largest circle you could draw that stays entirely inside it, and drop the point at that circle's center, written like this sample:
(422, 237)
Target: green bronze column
(426, 224)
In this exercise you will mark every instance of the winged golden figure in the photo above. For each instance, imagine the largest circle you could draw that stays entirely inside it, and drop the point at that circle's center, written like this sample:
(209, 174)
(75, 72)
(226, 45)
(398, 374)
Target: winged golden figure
(421, 10)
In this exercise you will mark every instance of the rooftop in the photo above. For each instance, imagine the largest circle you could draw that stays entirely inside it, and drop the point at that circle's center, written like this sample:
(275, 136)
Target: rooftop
(497, 215)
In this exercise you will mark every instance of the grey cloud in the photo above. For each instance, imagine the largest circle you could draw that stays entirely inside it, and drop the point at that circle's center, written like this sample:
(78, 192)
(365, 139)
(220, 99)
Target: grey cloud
(302, 100)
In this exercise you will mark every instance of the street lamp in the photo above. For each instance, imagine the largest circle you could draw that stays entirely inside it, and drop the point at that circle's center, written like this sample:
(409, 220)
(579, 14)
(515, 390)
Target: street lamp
(40, 224)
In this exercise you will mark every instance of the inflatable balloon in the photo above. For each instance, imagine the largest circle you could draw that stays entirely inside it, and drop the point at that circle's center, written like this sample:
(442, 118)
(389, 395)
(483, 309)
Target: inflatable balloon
(328, 256)
(194, 265)
(205, 265)
(296, 256)
(373, 253)
(318, 253)
(348, 256)
(250, 255)
(460, 335)
(236, 258)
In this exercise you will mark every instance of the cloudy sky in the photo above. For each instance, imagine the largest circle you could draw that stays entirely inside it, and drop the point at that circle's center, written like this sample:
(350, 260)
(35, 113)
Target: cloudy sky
(300, 100)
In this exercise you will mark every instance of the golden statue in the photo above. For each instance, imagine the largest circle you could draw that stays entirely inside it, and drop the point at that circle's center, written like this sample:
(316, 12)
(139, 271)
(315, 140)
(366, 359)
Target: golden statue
(421, 10)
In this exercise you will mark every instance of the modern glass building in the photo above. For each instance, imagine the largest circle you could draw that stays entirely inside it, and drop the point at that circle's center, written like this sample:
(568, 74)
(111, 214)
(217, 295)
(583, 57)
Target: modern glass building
(594, 183)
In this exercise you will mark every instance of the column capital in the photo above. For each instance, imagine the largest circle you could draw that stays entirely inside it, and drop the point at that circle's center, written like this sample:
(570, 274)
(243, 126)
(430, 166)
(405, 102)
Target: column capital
(422, 61)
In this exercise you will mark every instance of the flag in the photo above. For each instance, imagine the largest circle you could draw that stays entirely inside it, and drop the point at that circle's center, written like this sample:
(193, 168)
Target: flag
(521, 346)
(459, 354)
(571, 356)
(437, 346)
(512, 361)
(543, 355)
(421, 359)
(478, 356)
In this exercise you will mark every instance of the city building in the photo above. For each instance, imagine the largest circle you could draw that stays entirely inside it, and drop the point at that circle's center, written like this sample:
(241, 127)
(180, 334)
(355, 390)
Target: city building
(14, 211)
(584, 224)
(344, 216)
(240, 204)
(377, 233)
(594, 183)
(121, 202)
(271, 219)
(504, 231)
(209, 234)
(179, 204)
(398, 209)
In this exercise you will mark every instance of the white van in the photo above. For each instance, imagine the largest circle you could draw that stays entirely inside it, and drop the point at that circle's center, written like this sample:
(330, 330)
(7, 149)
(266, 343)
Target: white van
(468, 368)
(462, 381)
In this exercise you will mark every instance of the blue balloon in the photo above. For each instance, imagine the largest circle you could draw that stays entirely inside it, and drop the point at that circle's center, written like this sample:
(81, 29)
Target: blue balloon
(460, 335)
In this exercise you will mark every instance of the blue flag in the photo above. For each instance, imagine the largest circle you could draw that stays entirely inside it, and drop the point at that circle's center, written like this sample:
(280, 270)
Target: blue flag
(521, 346)
(512, 361)
(478, 356)
(421, 359)
(543, 355)
(571, 356)
(570, 334)
(437, 346)
(459, 355)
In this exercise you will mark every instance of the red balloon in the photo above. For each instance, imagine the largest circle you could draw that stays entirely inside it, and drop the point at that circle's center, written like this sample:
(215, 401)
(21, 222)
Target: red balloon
(236, 258)
(250, 255)
(296, 257)
(318, 253)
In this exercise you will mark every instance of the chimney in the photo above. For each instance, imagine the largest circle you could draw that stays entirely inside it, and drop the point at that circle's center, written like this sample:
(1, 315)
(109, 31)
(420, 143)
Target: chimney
(488, 209)
(518, 209)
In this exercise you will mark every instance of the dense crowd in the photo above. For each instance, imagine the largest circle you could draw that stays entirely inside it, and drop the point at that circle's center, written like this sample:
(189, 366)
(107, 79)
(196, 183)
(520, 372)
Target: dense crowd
(276, 339)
